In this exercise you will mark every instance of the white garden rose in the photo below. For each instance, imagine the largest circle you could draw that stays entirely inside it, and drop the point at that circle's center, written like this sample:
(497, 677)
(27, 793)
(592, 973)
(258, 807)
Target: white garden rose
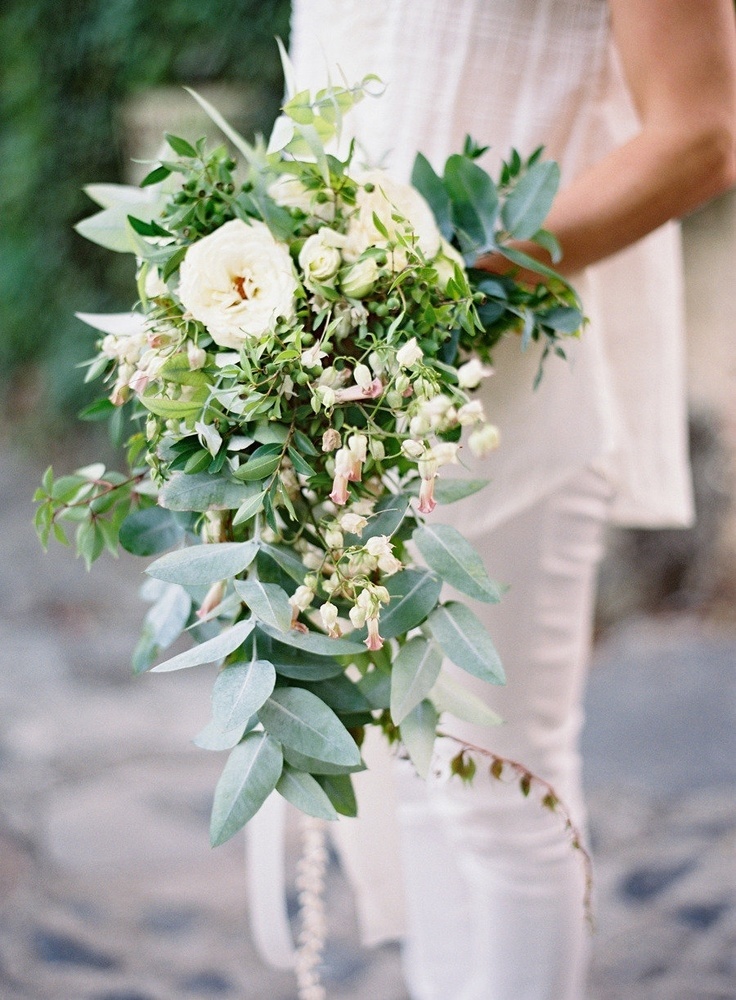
(237, 281)
(289, 192)
(320, 257)
(388, 198)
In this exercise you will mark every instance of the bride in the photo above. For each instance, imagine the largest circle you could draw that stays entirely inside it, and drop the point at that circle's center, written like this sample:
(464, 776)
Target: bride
(637, 103)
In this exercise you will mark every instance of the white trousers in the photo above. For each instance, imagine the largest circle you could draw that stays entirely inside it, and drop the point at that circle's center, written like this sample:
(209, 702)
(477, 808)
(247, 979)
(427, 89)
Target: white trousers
(494, 889)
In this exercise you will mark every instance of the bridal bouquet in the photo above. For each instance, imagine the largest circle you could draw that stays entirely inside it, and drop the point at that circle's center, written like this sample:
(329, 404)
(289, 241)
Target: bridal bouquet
(299, 370)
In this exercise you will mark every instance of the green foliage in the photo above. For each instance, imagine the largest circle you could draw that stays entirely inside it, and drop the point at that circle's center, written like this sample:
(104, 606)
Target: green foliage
(65, 69)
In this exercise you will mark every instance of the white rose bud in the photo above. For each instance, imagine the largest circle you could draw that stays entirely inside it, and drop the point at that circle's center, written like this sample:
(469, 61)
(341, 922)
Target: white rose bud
(483, 440)
(408, 355)
(320, 257)
(359, 279)
(470, 374)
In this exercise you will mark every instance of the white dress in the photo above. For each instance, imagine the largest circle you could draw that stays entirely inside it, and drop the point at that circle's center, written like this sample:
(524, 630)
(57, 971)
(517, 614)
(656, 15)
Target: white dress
(525, 73)
(520, 73)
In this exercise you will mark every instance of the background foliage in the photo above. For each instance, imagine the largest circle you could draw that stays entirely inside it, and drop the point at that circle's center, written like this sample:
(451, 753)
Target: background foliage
(65, 70)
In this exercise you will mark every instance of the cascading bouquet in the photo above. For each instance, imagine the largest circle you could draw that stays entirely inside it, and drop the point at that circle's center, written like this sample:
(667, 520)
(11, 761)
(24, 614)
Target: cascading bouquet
(299, 368)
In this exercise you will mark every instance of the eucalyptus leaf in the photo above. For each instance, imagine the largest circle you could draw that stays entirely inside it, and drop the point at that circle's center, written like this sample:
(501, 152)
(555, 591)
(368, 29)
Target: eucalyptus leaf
(418, 732)
(450, 696)
(262, 463)
(210, 650)
(450, 555)
(268, 602)
(341, 694)
(199, 565)
(175, 409)
(299, 719)
(314, 642)
(286, 560)
(339, 790)
(387, 517)
(298, 664)
(214, 738)
(415, 671)
(203, 492)
(250, 775)
(152, 530)
(529, 203)
(313, 766)
(428, 184)
(466, 642)
(414, 592)
(109, 229)
(249, 508)
(305, 793)
(451, 490)
(474, 203)
(376, 686)
(240, 690)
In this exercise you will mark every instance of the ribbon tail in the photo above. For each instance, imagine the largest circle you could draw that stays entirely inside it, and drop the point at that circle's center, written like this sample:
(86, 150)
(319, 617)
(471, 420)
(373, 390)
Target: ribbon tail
(266, 881)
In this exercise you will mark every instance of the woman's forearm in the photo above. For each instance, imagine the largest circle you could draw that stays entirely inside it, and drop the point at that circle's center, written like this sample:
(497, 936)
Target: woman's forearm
(655, 177)
(679, 59)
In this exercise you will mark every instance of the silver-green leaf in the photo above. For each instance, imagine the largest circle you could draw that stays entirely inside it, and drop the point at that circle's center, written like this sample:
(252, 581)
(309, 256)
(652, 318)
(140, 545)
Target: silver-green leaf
(210, 651)
(301, 720)
(250, 775)
(465, 641)
(413, 676)
(200, 565)
(305, 793)
(418, 731)
(240, 690)
(450, 555)
(268, 602)
(450, 696)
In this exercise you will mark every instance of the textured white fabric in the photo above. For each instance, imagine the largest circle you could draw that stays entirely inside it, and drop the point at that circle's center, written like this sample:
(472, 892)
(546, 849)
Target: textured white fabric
(494, 889)
(526, 73)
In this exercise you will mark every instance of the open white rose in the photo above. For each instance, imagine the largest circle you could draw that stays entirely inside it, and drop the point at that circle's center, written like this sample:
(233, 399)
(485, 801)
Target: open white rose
(237, 281)
(386, 199)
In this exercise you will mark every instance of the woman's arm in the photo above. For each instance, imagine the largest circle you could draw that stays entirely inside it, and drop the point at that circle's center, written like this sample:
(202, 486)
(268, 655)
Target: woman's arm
(679, 59)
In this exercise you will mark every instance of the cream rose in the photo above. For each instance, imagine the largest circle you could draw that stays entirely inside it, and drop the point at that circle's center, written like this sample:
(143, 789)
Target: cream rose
(320, 257)
(386, 199)
(289, 192)
(237, 281)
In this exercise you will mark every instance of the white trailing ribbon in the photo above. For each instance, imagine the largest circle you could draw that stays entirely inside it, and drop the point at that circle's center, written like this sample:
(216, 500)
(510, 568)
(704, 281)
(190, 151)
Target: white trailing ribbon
(266, 880)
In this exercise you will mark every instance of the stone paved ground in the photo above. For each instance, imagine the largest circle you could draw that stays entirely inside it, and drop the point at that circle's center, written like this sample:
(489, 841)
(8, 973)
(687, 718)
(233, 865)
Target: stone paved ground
(109, 890)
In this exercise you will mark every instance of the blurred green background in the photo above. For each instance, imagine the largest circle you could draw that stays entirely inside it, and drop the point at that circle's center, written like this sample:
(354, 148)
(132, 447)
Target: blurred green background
(72, 76)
